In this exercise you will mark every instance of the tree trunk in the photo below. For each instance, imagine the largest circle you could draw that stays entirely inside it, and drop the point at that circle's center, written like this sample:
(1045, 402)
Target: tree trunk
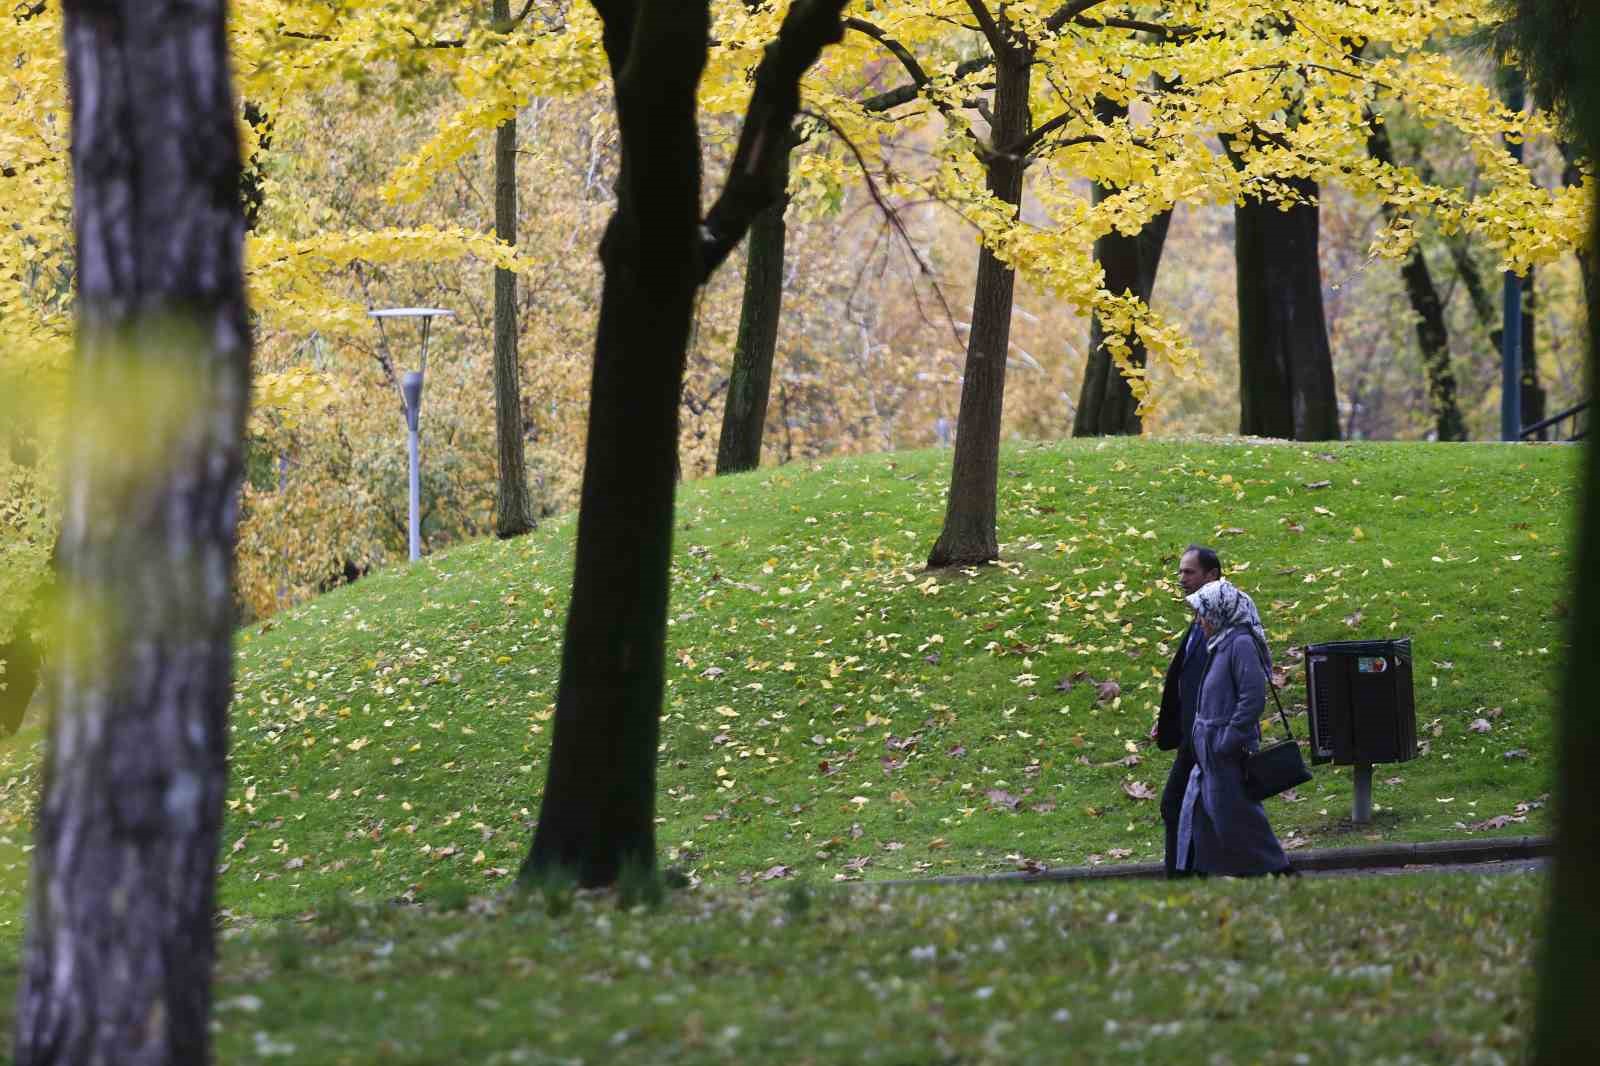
(598, 813)
(19, 675)
(744, 415)
(1285, 363)
(1106, 406)
(117, 961)
(969, 536)
(513, 514)
(1532, 393)
(1572, 174)
(1433, 336)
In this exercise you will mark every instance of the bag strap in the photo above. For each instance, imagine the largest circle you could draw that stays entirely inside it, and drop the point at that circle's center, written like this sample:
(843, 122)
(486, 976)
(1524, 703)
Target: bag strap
(1267, 669)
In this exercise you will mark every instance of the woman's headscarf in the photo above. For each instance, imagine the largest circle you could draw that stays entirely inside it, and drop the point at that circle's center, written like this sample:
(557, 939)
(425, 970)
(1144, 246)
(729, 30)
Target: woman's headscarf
(1223, 605)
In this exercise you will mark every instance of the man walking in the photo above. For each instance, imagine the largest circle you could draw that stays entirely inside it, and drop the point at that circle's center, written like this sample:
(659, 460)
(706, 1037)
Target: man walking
(1179, 695)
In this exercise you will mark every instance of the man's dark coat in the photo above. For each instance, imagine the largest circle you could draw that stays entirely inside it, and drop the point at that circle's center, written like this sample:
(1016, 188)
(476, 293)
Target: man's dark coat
(1174, 726)
(1176, 721)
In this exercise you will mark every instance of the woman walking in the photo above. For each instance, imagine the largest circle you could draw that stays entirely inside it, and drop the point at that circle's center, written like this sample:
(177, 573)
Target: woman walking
(1222, 830)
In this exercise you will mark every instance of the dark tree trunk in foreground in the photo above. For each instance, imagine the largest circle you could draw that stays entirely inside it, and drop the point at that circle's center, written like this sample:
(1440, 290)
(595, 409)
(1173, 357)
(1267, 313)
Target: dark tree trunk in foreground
(969, 536)
(1559, 39)
(1106, 406)
(513, 514)
(598, 813)
(1433, 336)
(744, 417)
(117, 960)
(1285, 362)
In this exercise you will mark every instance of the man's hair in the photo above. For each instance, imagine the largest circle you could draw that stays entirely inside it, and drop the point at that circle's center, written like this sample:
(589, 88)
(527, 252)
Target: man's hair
(1205, 557)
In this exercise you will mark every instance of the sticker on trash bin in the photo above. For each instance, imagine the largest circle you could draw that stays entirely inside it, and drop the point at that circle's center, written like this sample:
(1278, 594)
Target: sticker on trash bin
(1371, 664)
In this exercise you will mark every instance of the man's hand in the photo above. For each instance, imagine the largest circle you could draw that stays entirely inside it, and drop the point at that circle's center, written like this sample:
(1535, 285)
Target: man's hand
(1155, 727)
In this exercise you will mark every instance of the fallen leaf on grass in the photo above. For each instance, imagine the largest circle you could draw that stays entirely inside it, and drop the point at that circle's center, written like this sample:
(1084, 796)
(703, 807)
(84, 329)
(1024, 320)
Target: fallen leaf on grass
(1001, 798)
(1499, 821)
(773, 873)
(1138, 790)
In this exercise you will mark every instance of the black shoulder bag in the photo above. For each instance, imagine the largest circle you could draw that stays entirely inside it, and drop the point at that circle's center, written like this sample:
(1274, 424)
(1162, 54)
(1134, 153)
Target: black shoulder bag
(1276, 767)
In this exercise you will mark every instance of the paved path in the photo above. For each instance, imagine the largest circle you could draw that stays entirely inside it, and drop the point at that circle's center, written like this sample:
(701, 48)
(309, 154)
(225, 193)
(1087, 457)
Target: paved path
(1515, 866)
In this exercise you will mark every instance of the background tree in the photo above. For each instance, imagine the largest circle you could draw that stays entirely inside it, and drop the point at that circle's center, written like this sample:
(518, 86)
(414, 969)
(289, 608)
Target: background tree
(1433, 335)
(597, 814)
(513, 511)
(969, 535)
(1286, 386)
(1106, 405)
(119, 943)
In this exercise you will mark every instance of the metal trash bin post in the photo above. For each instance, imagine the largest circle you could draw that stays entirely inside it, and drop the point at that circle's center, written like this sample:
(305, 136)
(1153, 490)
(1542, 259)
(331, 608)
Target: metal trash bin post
(1362, 709)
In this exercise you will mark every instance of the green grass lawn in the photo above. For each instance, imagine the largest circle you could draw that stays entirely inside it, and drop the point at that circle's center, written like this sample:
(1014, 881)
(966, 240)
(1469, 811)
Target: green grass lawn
(1407, 969)
(833, 711)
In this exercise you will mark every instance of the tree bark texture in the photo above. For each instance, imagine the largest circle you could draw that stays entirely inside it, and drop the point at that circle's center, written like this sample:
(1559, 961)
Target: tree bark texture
(1433, 336)
(597, 817)
(1106, 406)
(744, 415)
(1285, 362)
(119, 944)
(513, 512)
(969, 536)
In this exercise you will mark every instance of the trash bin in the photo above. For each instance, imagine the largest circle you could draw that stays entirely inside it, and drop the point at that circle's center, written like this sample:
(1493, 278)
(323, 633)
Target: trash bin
(1362, 708)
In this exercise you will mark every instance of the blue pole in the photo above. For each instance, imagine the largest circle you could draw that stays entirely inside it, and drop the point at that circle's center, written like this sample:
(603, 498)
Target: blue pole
(1511, 314)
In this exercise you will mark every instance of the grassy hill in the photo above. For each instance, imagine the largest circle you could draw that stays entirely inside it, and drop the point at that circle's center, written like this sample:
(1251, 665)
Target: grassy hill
(834, 711)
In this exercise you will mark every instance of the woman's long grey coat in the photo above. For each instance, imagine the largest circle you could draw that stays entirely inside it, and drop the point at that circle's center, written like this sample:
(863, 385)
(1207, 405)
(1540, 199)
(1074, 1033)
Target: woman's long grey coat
(1229, 831)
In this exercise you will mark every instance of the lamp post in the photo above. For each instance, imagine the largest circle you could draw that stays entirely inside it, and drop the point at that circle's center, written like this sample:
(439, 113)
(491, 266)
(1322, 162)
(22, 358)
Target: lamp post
(411, 401)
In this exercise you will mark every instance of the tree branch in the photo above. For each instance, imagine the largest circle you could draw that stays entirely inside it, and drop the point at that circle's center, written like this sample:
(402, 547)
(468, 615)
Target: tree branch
(758, 173)
(890, 99)
(900, 51)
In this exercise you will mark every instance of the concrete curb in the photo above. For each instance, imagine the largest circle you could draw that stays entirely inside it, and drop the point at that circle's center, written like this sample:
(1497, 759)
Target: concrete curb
(1376, 856)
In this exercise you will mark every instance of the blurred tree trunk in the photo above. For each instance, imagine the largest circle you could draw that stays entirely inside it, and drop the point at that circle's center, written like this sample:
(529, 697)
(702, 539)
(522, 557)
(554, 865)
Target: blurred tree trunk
(513, 513)
(119, 944)
(1557, 40)
(1285, 363)
(969, 536)
(597, 818)
(744, 415)
(1433, 336)
(1106, 406)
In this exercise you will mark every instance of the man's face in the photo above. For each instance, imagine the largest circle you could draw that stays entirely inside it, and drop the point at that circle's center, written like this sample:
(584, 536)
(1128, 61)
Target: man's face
(1190, 576)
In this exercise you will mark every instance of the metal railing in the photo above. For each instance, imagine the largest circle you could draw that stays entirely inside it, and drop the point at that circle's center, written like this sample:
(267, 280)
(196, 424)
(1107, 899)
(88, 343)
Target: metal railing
(1577, 414)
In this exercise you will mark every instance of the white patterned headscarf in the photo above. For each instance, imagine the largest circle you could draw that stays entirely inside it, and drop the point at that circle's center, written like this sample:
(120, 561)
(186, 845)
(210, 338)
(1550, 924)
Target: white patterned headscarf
(1223, 606)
